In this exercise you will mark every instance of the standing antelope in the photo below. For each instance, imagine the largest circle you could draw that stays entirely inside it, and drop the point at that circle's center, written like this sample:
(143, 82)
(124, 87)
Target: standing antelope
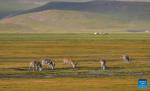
(70, 62)
(35, 65)
(49, 62)
(126, 58)
(103, 64)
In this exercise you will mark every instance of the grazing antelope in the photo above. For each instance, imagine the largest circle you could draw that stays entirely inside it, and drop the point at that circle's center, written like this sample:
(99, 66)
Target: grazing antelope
(126, 58)
(103, 64)
(35, 65)
(70, 62)
(96, 33)
(49, 62)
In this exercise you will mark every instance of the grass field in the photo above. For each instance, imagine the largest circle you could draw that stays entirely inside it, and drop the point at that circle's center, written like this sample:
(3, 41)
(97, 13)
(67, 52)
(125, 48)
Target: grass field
(17, 50)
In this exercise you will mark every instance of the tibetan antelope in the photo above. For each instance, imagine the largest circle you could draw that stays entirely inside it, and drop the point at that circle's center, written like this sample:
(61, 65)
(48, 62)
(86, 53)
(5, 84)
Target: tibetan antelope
(49, 62)
(70, 62)
(126, 58)
(35, 65)
(103, 64)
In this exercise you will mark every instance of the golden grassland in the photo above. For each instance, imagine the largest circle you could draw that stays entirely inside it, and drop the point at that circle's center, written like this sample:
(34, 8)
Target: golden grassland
(71, 84)
(17, 50)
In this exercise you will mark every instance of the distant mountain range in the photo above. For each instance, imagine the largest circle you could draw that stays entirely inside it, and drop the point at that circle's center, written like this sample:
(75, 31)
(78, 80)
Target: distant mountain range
(10, 7)
(90, 16)
(142, 8)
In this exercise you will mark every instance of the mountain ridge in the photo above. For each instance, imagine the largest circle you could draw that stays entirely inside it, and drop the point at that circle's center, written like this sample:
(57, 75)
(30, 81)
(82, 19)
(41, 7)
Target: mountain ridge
(18, 6)
(91, 16)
